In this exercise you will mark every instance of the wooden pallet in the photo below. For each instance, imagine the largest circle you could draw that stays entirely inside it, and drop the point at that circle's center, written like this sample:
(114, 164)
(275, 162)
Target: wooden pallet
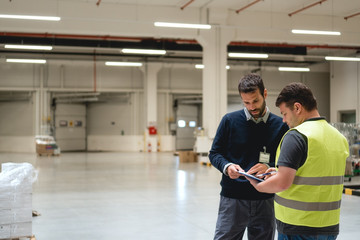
(23, 238)
(48, 154)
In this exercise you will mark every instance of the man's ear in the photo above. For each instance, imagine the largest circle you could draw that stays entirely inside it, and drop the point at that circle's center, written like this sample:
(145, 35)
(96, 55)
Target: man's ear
(265, 93)
(297, 107)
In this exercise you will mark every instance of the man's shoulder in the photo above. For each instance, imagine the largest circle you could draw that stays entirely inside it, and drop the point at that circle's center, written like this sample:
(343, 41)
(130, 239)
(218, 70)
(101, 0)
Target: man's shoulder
(275, 119)
(235, 114)
(276, 122)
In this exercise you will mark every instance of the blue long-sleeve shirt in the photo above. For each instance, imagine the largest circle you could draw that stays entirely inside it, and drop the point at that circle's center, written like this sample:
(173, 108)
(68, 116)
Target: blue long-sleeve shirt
(240, 141)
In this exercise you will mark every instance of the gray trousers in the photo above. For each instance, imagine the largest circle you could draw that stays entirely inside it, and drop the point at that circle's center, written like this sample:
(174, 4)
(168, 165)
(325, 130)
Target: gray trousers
(236, 215)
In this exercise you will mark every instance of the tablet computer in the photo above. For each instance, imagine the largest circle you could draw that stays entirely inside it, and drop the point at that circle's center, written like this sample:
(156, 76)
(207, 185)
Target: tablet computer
(251, 176)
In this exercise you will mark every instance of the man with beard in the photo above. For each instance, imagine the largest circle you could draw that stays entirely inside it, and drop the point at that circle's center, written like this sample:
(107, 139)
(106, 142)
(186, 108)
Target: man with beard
(246, 141)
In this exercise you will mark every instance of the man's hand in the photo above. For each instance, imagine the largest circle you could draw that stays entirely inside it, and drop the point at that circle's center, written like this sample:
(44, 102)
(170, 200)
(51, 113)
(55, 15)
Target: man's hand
(272, 172)
(258, 169)
(280, 181)
(232, 171)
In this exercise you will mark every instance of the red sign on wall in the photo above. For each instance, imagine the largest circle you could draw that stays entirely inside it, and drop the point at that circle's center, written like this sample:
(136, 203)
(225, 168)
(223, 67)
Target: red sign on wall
(152, 130)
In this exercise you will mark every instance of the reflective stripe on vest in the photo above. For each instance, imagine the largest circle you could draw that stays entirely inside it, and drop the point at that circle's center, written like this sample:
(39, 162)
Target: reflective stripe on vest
(307, 206)
(317, 181)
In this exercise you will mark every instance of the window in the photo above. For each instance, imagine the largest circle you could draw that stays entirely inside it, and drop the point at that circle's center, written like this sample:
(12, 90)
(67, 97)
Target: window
(192, 123)
(181, 123)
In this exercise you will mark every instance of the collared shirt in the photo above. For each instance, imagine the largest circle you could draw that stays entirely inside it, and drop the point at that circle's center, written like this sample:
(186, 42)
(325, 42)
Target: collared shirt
(248, 118)
(264, 118)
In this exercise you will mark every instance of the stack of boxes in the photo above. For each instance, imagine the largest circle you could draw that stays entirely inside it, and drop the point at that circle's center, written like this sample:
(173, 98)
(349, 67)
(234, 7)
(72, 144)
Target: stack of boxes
(16, 200)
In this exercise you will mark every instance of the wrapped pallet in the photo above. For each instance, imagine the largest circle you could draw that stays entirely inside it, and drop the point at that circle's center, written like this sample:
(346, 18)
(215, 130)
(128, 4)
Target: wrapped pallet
(16, 181)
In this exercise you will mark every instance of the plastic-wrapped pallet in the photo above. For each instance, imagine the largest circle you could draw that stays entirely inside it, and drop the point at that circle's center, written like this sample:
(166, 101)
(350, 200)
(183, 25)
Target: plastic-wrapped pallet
(16, 181)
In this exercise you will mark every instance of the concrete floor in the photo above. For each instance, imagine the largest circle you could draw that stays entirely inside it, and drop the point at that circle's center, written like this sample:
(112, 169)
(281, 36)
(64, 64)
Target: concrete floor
(104, 196)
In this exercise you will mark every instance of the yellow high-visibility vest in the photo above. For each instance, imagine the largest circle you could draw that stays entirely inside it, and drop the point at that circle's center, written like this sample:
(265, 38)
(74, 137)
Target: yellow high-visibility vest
(314, 198)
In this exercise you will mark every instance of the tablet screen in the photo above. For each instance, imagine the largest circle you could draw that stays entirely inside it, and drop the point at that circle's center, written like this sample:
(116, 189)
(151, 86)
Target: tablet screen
(251, 176)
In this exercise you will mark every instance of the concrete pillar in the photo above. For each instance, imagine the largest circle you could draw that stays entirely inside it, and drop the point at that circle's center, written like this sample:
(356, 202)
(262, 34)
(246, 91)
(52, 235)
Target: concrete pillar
(214, 43)
(150, 84)
(150, 89)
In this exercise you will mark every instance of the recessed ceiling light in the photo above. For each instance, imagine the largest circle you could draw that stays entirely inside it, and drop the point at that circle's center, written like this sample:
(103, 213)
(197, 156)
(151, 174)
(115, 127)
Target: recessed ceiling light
(28, 17)
(13, 60)
(201, 66)
(124, 64)
(182, 25)
(330, 58)
(30, 47)
(144, 51)
(294, 69)
(248, 55)
(297, 31)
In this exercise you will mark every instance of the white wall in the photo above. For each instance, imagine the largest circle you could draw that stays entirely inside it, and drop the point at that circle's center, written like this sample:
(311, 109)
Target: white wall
(17, 127)
(274, 81)
(72, 76)
(344, 89)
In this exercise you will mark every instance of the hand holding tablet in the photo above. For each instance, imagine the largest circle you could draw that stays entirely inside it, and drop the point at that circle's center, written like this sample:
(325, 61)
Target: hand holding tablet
(251, 176)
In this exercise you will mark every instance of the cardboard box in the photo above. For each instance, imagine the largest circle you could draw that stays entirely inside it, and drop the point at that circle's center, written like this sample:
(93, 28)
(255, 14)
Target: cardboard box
(187, 156)
(45, 145)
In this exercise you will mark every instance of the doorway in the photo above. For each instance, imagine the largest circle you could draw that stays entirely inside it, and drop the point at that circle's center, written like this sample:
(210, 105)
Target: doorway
(70, 126)
(187, 112)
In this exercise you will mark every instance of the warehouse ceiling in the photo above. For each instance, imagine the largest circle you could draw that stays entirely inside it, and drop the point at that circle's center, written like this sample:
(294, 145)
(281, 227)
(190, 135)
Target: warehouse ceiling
(101, 28)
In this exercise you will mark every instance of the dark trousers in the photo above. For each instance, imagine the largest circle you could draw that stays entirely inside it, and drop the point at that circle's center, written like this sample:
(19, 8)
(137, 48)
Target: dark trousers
(236, 215)
(306, 237)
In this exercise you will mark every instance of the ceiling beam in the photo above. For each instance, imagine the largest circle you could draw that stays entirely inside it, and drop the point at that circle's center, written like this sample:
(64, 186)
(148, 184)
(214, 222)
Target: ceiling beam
(249, 5)
(304, 8)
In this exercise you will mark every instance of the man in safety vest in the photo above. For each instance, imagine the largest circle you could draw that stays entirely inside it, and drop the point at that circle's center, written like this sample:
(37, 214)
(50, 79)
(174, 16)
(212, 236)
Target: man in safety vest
(310, 163)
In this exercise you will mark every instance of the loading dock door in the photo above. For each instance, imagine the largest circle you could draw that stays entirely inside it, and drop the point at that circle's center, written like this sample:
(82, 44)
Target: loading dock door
(70, 126)
(187, 121)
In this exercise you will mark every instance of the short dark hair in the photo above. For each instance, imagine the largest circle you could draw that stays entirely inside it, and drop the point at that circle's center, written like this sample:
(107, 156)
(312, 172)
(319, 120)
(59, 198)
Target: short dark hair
(297, 92)
(251, 82)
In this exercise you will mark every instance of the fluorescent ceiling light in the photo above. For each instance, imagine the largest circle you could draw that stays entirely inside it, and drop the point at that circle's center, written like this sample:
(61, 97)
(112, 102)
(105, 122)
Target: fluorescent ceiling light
(124, 64)
(248, 55)
(182, 25)
(201, 66)
(329, 58)
(144, 51)
(13, 60)
(296, 31)
(32, 47)
(294, 69)
(28, 17)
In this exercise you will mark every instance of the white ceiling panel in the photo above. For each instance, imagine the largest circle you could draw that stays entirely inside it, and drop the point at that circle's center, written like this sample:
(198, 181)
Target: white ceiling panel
(265, 23)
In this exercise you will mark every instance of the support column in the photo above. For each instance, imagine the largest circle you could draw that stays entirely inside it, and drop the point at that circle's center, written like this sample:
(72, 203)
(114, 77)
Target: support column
(40, 103)
(150, 89)
(214, 43)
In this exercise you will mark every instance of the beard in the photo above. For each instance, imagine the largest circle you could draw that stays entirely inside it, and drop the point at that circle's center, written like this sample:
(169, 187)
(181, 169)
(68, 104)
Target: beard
(259, 111)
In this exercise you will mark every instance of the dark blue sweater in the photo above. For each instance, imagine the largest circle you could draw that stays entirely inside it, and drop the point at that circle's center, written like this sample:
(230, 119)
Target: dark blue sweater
(240, 141)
